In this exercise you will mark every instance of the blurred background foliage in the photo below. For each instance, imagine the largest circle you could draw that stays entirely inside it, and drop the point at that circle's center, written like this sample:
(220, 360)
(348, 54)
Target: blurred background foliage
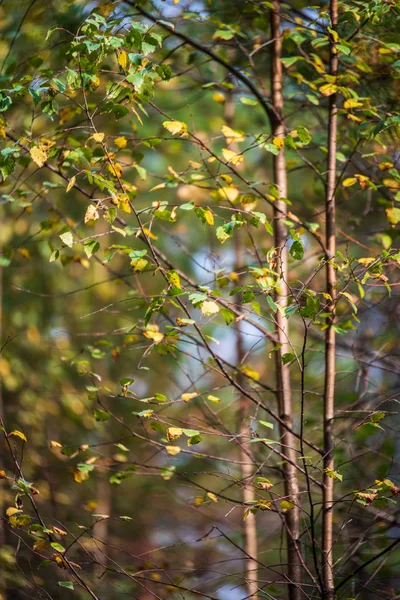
(70, 325)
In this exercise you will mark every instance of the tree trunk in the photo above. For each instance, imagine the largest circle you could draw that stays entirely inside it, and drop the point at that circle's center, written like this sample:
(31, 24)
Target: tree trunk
(329, 387)
(285, 408)
(247, 469)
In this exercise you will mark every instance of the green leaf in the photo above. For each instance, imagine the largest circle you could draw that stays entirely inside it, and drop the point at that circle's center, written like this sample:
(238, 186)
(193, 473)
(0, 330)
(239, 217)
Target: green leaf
(66, 584)
(67, 238)
(296, 250)
(287, 358)
(101, 415)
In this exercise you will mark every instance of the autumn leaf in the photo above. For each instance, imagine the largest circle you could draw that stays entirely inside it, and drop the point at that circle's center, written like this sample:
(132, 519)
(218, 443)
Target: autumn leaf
(174, 433)
(173, 450)
(209, 307)
(92, 214)
(176, 127)
(38, 155)
(232, 135)
(18, 434)
(190, 396)
(232, 157)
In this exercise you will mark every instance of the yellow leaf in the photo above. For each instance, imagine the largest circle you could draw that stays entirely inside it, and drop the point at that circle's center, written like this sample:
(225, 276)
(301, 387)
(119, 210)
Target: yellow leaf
(38, 155)
(328, 89)
(175, 127)
(385, 165)
(176, 1)
(54, 444)
(354, 118)
(218, 97)
(351, 103)
(174, 433)
(173, 450)
(2, 474)
(123, 202)
(286, 505)
(232, 135)
(120, 142)
(174, 279)
(362, 180)
(214, 399)
(349, 182)
(156, 336)
(212, 496)
(149, 233)
(187, 397)
(278, 142)
(139, 264)
(40, 545)
(12, 511)
(115, 169)
(232, 157)
(98, 137)
(229, 192)
(24, 252)
(209, 307)
(209, 217)
(366, 261)
(80, 476)
(92, 214)
(391, 183)
(123, 59)
(59, 531)
(18, 434)
(250, 372)
(71, 184)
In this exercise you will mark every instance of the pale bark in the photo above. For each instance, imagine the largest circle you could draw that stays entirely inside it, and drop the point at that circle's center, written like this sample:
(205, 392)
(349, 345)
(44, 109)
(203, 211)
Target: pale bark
(329, 387)
(285, 406)
(247, 469)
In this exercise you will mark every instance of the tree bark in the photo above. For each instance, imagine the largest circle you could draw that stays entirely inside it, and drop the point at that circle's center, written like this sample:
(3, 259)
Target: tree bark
(247, 470)
(285, 407)
(330, 341)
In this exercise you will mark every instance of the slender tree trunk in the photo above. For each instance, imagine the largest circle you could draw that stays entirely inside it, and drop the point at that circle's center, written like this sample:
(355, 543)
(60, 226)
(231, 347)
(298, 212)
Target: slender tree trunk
(292, 517)
(103, 487)
(247, 470)
(247, 473)
(329, 388)
(3, 584)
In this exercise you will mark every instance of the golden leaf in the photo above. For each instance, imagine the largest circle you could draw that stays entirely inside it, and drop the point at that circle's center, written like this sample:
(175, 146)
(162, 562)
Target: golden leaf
(98, 137)
(232, 135)
(209, 217)
(175, 127)
(189, 396)
(232, 157)
(214, 399)
(174, 433)
(71, 183)
(173, 450)
(120, 142)
(156, 336)
(38, 155)
(278, 142)
(123, 59)
(218, 97)
(12, 511)
(92, 214)
(229, 192)
(18, 434)
(80, 476)
(209, 307)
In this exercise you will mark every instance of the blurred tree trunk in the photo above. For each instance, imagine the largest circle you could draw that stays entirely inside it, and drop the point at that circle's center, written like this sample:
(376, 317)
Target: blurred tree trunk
(285, 407)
